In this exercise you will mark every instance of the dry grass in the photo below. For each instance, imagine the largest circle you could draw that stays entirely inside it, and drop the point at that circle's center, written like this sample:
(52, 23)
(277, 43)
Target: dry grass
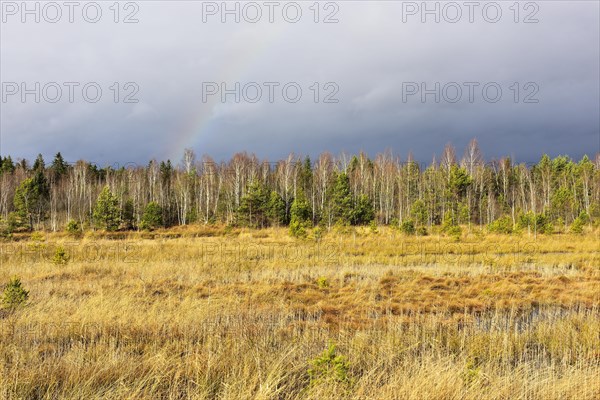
(204, 313)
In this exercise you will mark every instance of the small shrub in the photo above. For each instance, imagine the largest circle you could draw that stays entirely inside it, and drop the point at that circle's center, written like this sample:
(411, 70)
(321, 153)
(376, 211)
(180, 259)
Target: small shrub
(471, 372)
(408, 227)
(422, 231)
(450, 227)
(322, 282)
(73, 227)
(297, 229)
(373, 227)
(60, 256)
(329, 367)
(37, 237)
(502, 225)
(14, 294)
(579, 223)
(539, 223)
(319, 232)
(454, 231)
(10, 225)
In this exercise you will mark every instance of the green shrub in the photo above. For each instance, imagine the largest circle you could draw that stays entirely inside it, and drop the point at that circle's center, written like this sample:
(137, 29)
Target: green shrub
(319, 232)
(408, 227)
(373, 227)
(454, 231)
(60, 256)
(539, 223)
(14, 294)
(450, 226)
(322, 282)
(73, 227)
(472, 371)
(297, 229)
(502, 225)
(329, 367)
(579, 223)
(9, 225)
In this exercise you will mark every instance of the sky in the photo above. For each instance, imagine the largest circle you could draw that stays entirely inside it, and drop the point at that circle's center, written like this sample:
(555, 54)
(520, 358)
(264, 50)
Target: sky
(147, 79)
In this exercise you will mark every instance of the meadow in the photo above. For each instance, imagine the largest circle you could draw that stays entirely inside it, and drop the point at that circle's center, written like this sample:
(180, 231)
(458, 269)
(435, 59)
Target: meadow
(357, 313)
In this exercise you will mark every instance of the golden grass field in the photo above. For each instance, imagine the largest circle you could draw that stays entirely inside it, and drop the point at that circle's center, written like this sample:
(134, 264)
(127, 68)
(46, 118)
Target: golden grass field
(211, 313)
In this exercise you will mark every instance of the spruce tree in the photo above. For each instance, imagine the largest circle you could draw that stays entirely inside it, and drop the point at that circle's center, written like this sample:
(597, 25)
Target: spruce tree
(31, 199)
(363, 211)
(39, 164)
(106, 212)
(59, 166)
(276, 209)
(152, 217)
(252, 211)
(300, 214)
(341, 199)
(7, 166)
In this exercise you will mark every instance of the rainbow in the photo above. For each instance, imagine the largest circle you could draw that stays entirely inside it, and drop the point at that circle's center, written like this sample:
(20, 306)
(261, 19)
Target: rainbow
(197, 124)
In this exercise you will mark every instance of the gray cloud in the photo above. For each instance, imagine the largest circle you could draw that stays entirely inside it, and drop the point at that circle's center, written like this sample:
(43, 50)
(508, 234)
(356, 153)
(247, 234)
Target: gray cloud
(368, 54)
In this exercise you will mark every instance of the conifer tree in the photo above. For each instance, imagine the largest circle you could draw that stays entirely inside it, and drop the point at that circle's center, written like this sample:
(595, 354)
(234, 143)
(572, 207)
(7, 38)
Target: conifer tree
(106, 213)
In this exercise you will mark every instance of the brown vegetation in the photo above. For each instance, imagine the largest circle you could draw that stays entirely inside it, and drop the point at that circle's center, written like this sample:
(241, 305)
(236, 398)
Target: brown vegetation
(209, 313)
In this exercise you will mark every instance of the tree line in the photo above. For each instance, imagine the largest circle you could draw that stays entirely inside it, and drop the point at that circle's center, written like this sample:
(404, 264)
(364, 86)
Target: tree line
(301, 193)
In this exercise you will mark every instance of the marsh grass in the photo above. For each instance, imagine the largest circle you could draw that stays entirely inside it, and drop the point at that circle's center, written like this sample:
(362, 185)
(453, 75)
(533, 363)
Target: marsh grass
(244, 315)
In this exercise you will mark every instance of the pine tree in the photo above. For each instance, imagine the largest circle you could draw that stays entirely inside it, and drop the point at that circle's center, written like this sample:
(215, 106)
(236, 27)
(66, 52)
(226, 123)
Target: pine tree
(300, 214)
(152, 217)
(7, 166)
(276, 209)
(106, 212)
(300, 210)
(252, 211)
(39, 164)
(419, 212)
(31, 199)
(341, 199)
(59, 166)
(14, 294)
(363, 211)
(128, 214)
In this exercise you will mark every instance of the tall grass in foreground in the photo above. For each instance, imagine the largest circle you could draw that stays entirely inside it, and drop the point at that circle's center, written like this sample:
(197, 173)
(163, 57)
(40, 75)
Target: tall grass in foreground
(190, 319)
(550, 354)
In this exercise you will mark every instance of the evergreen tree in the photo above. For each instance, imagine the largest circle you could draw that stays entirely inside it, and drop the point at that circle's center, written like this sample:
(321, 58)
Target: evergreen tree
(300, 210)
(7, 166)
(419, 212)
(59, 166)
(276, 209)
(31, 199)
(128, 216)
(306, 175)
(152, 217)
(39, 164)
(106, 212)
(363, 212)
(300, 215)
(341, 201)
(253, 208)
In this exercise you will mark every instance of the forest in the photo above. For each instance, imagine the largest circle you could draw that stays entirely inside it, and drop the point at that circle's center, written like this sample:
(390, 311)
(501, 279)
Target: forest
(448, 195)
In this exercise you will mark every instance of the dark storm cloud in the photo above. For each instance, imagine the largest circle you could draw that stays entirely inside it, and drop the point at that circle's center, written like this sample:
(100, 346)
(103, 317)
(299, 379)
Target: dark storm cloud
(370, 55)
